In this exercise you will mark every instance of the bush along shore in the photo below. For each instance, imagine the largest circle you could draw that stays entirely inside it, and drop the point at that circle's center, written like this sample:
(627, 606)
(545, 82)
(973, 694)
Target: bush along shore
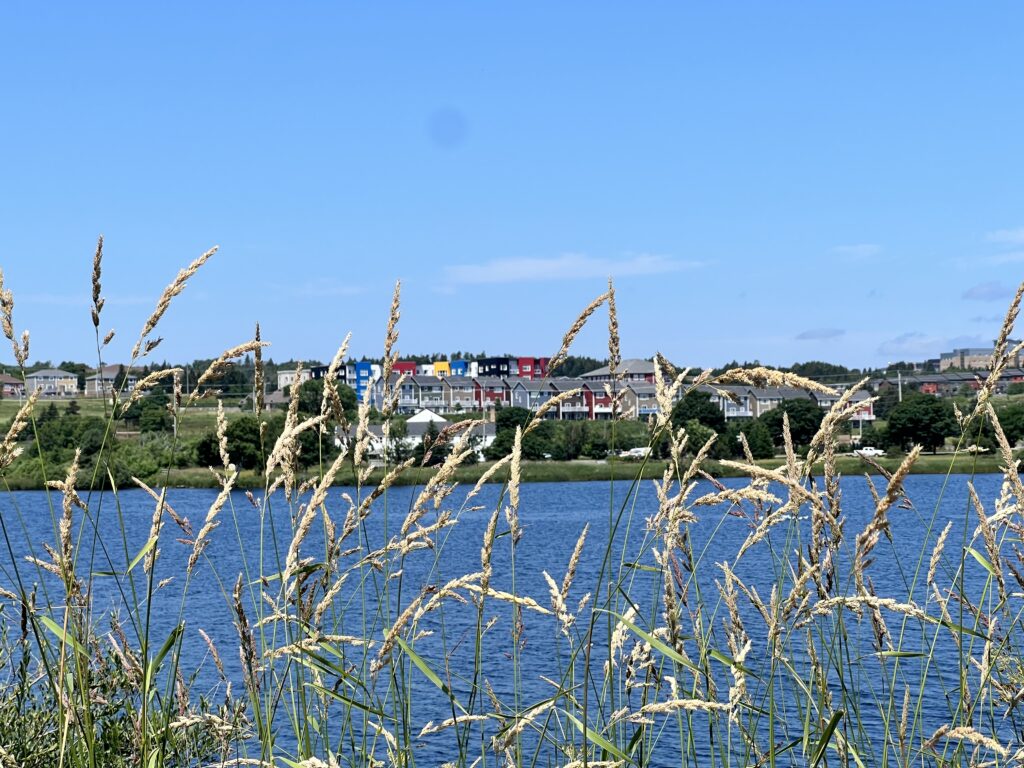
(739, 624)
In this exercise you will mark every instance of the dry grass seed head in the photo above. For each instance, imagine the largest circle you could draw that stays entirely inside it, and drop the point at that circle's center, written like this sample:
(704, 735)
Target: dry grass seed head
(146, 383)
(768, 377)
(391, 336)
(988, 535)
(574, 561)
(97, 300)
(614, 353)
(514, 479)
(936, 557)
(1001, 357)
(223, 363)
(330, 403)
(172, 290)
(247, 645)
(210, 523)
(154, 532)
(70, 500)
(563, 352)
(879, 522)
(7, 324)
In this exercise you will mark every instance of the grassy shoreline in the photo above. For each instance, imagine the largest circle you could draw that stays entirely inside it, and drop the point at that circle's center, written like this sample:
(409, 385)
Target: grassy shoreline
(585, 471)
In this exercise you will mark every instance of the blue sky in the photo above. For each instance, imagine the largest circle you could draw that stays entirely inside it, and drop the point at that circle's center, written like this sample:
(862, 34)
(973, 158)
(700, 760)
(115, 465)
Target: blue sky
(773, 181)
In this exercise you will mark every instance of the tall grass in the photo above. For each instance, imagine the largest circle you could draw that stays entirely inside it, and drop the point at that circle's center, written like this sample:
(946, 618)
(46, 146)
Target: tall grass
(352, 632)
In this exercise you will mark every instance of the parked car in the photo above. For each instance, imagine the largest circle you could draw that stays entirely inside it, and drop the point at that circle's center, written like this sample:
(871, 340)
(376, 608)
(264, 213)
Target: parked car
(868, 452)
(636, 454)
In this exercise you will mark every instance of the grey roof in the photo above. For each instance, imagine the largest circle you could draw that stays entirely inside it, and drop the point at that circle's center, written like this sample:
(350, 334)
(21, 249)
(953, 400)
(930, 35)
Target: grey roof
(533, 385)
(458, 381)
(51, 372)
(490, 381)
(627, 367)
(642, 387)
(425, 381)
(563, 384)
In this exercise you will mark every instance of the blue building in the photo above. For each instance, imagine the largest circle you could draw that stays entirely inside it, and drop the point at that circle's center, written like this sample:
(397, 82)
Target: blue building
(364, 378)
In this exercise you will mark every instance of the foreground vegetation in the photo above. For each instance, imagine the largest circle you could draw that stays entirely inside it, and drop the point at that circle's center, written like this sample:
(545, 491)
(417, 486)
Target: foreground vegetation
(658, 653)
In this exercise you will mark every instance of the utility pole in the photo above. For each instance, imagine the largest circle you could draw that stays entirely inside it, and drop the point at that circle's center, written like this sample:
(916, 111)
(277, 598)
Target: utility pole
(899, 378)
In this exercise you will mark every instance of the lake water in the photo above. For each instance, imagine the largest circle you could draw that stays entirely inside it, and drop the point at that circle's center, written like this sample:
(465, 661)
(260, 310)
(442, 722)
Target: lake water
(552, 516)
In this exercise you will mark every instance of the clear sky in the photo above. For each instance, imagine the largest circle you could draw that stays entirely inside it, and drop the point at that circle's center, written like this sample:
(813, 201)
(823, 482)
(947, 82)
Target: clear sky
(772, 181)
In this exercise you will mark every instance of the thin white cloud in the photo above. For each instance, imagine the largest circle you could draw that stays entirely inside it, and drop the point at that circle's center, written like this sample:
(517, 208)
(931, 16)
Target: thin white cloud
(1010, 257)
(915, 345)
(816, 334)
(1007, 236)
(992, 290)
(857, 251)
(569, 266)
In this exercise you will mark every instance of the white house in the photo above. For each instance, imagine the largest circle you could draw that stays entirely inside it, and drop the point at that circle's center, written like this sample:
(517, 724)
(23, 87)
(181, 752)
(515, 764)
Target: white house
(53, 382)
(101, 383)
(286, 377)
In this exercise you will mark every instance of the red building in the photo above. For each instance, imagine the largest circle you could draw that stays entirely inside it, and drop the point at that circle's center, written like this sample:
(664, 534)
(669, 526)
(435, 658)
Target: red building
(533, 367)
(490, 391)
(409, 369)
(600, 401)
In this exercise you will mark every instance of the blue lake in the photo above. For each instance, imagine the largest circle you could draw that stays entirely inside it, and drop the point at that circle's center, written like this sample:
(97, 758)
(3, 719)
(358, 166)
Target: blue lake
(552, 516)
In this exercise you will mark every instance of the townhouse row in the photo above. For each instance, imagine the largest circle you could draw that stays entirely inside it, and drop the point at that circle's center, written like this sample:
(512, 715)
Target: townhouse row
(361, 375)
(593, 401)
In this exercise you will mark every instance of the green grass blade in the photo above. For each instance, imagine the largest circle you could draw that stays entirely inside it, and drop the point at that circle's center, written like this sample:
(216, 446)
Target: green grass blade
(826, 736)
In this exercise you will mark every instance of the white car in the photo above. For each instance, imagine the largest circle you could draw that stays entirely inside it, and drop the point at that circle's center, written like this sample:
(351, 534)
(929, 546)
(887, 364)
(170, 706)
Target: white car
(869, 452)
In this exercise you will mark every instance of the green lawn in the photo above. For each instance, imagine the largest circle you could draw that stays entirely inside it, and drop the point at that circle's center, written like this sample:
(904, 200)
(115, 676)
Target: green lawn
(196, 420)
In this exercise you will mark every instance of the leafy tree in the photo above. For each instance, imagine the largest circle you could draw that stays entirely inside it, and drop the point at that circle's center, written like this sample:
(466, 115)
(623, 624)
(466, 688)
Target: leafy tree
(507, 419)
(699, 434)
(119, 378)
(804, 419)
(311, 394)
(816, 369)
(759, 439)
(697, 406)
(574, 440)
(48, 414)
(888, 398)
(154, 418)
(428, 453)
(1017, 388)
(62, 434)
(153, 403)
(922, 419)
(244, 450)
(575, 365)
(397, 448)
(1012, 420)
(541, 441)
(72, 408)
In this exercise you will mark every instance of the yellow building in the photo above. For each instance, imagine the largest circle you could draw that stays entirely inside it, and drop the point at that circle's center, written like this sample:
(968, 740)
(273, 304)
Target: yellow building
(442, 369)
